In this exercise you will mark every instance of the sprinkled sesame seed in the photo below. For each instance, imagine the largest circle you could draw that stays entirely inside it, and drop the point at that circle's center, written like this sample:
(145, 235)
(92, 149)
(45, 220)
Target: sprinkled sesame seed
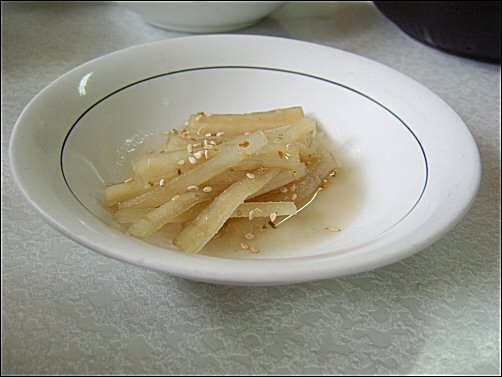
(206, 143)
(247, 133)
(181, 162)
(283, 189)
(207, 189)
(273, 216)
(250, 176)
(192, 188)
(332, 229)
(208, 135)
(161, 183)
(244, 144)
(212, 142)
(244, 245)
(129, 180)
(176, 197)
(189, 148)
(220, 134)
(252, 214)
(249, 236)
(293, 187)
(206, 154)
(280, 154)
(294, 196)
(209, 146)
(192, 160)
(197, 145)
(254, 249)
(198, 155)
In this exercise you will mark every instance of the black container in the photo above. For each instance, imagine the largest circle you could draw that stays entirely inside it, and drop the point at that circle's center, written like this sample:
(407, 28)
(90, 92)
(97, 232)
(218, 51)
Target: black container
(466, 28)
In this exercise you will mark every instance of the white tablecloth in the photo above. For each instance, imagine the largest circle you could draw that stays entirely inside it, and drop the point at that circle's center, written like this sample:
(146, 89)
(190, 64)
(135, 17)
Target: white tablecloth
(69, 310)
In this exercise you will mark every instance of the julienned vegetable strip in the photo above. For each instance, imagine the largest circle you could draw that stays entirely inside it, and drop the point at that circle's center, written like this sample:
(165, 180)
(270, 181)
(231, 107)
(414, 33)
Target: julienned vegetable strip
(252, 168)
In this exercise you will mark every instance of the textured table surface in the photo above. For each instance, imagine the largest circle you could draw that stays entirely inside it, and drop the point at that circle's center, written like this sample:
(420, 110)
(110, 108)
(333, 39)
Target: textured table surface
(69, 310)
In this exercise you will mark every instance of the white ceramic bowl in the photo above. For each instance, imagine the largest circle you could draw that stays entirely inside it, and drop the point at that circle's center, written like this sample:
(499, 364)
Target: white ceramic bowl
(409, 168)
(203, 16)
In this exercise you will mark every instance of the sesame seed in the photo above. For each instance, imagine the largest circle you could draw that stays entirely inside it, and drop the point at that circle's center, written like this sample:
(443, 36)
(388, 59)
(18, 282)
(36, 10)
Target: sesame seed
(192, 188)
(251, 176)
(280, 154)
(254, 249)
(206, 143)
(332, 229)
(208, 135)
(206, 154)
(247, 133)
(199, 131)
(161, 183)
(294, 196)
(283, 189)
(198, 155)
(249, 236)
(209, 146)
(273, 216)
(189, 148)
(197, 145)
(192, 160)
(220, 134)
(181, 162)
(212, 142)
(129, 180)
(244, 144)
(244, 245)
(207, 189)
(293, 187)
(176, 197)
(252, 214)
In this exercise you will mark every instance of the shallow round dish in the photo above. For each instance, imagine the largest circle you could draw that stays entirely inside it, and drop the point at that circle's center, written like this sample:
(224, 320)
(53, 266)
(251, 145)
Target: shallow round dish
(409, 168)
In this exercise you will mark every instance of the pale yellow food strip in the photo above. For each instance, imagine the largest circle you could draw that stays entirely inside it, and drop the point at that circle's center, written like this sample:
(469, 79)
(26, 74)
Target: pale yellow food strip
(200, 231)
(264, 209)
(202, 173)
(125, 190)
(236, 124)
(160, 216)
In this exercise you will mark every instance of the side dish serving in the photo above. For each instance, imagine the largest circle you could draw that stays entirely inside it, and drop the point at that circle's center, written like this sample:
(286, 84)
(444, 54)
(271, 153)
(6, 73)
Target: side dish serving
(238, 173)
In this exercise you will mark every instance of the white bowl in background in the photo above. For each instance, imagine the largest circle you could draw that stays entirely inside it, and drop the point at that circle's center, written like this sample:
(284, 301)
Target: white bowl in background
(203, 16)
(409, 167)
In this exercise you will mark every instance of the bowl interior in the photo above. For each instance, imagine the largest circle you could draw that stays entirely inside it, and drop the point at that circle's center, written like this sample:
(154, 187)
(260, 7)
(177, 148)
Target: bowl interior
(382, 166)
